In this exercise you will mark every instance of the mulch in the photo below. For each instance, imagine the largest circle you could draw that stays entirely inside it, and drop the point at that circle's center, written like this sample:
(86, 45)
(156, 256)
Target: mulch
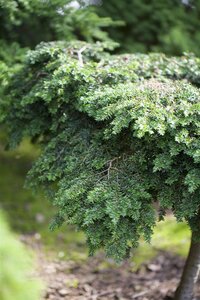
(91, 280)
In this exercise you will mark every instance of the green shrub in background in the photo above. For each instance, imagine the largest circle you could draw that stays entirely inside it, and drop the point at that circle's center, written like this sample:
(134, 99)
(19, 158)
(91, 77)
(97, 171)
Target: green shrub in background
(11, 59)
(168, 26)
(15, 267)
(29, 22)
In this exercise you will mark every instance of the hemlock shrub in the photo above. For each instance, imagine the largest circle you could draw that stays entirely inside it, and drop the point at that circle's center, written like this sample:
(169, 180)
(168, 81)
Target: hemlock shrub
(118, 134)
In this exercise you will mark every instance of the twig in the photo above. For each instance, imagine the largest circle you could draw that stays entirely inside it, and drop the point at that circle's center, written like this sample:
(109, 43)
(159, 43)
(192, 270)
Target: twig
(108, 170)
(139, 294)
(110, 167)
(106, 293)
(80, 58)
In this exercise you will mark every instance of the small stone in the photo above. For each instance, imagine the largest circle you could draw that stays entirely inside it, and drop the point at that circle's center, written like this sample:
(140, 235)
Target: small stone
(154, 268)
(51, 297)
(49, 292)
(40, 218)
(63, 292)
(37, 236)
(50, 269)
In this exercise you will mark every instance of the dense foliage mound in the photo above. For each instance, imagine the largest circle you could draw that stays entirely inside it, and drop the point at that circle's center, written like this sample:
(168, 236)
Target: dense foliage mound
(15, 270)
(118, 134)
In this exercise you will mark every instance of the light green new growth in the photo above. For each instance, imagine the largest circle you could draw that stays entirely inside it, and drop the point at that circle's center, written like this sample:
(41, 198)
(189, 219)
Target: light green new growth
(118, 134)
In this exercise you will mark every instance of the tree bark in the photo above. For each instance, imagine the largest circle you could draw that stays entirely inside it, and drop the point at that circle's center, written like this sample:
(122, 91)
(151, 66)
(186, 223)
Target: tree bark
(190, 274)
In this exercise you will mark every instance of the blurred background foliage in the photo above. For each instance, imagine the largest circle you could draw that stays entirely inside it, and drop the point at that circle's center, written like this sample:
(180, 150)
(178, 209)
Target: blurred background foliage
(29, 22)
(169, 26)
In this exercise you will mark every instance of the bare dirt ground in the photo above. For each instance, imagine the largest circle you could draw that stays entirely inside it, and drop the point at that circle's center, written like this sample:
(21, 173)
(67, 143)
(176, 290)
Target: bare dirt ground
(69, 280)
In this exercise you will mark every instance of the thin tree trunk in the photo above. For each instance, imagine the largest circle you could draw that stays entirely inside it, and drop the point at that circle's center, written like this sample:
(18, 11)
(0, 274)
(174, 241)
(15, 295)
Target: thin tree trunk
(190, 273)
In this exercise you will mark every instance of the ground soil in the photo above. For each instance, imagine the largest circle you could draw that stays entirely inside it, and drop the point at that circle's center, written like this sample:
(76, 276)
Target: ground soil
(91, 280)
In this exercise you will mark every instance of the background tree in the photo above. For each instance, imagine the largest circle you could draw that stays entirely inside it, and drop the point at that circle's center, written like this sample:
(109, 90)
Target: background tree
(118, 134)
(31, 22)
(170, 26)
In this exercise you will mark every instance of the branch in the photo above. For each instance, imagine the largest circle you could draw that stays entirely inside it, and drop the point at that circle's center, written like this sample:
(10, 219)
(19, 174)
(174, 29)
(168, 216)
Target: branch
(80, 58)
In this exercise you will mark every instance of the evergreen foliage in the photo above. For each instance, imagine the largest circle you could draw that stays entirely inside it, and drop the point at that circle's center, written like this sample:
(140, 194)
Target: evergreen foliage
(11, 60)
(29, 22)
(25, 23)
(170, 26)
(16, 265)
(118, 134)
